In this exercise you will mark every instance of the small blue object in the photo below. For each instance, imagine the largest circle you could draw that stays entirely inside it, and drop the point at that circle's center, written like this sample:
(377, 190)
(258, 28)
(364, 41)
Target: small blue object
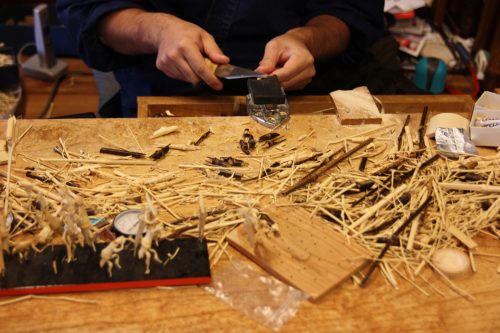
(97, 221)
(430, 75)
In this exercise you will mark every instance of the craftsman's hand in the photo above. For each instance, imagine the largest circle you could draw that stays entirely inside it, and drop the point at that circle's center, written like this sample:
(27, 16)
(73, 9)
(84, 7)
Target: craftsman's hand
(288, 57)
(182, 47)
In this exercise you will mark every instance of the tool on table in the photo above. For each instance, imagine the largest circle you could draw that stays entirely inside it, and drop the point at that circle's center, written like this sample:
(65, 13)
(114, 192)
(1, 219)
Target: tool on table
(266, 100)
(231, 72)
(43, 65)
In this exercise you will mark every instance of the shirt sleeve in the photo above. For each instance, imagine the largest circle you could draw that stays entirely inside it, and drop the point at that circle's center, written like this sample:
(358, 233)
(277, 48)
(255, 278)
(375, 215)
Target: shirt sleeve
(81, 17)
(365, 18)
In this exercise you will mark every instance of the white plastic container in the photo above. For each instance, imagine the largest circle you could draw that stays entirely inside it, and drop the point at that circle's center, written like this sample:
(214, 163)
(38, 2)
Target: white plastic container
(487, 106)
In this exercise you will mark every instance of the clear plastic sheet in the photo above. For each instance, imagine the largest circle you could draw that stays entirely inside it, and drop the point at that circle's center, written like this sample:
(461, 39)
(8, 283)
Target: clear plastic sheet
(259, 296)
(453, 142)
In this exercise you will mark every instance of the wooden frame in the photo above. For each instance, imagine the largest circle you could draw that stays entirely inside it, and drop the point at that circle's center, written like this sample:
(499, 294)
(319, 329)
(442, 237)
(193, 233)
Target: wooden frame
(236, 105)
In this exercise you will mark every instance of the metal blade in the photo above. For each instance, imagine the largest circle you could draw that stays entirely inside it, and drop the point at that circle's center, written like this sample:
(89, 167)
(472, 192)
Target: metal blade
(230, 72)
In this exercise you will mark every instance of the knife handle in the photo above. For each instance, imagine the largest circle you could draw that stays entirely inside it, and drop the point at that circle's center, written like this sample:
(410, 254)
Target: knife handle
(211, 65)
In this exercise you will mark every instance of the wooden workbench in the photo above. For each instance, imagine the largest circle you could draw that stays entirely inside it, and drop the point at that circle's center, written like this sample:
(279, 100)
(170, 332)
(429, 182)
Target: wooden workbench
(376, 308)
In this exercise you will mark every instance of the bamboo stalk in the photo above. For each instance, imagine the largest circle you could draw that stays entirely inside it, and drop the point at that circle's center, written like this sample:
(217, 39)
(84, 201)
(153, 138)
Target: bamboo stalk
(374, 209)
(470, 187)
(315, 174)
(97, 161)
(365, 133)
(461, 236)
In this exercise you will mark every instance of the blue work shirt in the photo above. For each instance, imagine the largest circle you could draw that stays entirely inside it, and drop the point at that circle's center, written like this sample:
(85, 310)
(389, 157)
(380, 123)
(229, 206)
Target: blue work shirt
(241, 28)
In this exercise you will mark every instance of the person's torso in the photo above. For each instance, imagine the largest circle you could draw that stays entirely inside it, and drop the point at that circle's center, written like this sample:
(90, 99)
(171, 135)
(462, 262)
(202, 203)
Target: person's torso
(240, 27)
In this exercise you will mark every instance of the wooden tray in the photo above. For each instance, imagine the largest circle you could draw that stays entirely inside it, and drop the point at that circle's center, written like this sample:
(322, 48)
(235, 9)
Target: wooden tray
(236, 105)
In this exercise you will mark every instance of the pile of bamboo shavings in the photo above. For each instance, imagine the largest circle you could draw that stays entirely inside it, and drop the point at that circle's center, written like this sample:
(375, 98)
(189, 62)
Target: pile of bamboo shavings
(8, 100)
(108, 190)
(452, 220)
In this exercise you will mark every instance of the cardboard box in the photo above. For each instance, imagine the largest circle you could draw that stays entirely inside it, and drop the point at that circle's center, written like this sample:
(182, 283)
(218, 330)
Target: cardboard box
(487, 106)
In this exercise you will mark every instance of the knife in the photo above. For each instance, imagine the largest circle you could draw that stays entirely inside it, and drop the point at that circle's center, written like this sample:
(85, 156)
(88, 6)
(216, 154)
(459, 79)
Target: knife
(231, 72)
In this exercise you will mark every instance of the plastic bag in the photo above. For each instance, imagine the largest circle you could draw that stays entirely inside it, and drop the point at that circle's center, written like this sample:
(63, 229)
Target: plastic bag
(261, 297)
(453, 141)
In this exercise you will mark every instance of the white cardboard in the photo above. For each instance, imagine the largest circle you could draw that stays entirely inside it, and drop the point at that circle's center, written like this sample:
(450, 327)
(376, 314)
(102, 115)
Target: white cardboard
(488, 105)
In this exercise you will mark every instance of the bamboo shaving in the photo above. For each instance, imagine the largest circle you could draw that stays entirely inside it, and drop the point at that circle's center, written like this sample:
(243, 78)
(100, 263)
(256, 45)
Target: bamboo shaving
(48, 298)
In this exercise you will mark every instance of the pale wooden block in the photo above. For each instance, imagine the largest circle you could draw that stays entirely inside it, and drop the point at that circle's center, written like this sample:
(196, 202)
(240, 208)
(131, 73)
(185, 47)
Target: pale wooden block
(356, 107)
(308, 254)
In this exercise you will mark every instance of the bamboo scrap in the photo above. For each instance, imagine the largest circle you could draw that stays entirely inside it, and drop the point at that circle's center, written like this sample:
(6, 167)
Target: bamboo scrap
(409, 139)
(470, 187)
(164, 130)
(466, 240)
(316, 173)
(97, 161)
(374, 209)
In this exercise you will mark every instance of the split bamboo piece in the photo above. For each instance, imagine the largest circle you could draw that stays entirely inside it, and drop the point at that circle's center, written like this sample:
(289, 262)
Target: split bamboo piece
(164, 130)
(97, 161)
(470, 187)
(466, 240)
(374, 209)
(316, 173)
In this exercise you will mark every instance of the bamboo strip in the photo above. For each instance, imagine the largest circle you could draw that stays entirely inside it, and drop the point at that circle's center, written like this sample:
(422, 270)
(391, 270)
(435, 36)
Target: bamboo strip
(470, 187)
(466, 240)
(374, 209)
(97, 161)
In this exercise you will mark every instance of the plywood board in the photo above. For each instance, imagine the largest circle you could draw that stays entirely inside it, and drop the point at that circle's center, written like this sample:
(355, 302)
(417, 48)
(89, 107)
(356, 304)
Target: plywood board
(309, 253)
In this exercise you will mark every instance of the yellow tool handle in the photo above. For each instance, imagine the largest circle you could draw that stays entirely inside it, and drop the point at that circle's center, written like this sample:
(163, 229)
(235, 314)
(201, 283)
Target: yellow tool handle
(211, 65)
